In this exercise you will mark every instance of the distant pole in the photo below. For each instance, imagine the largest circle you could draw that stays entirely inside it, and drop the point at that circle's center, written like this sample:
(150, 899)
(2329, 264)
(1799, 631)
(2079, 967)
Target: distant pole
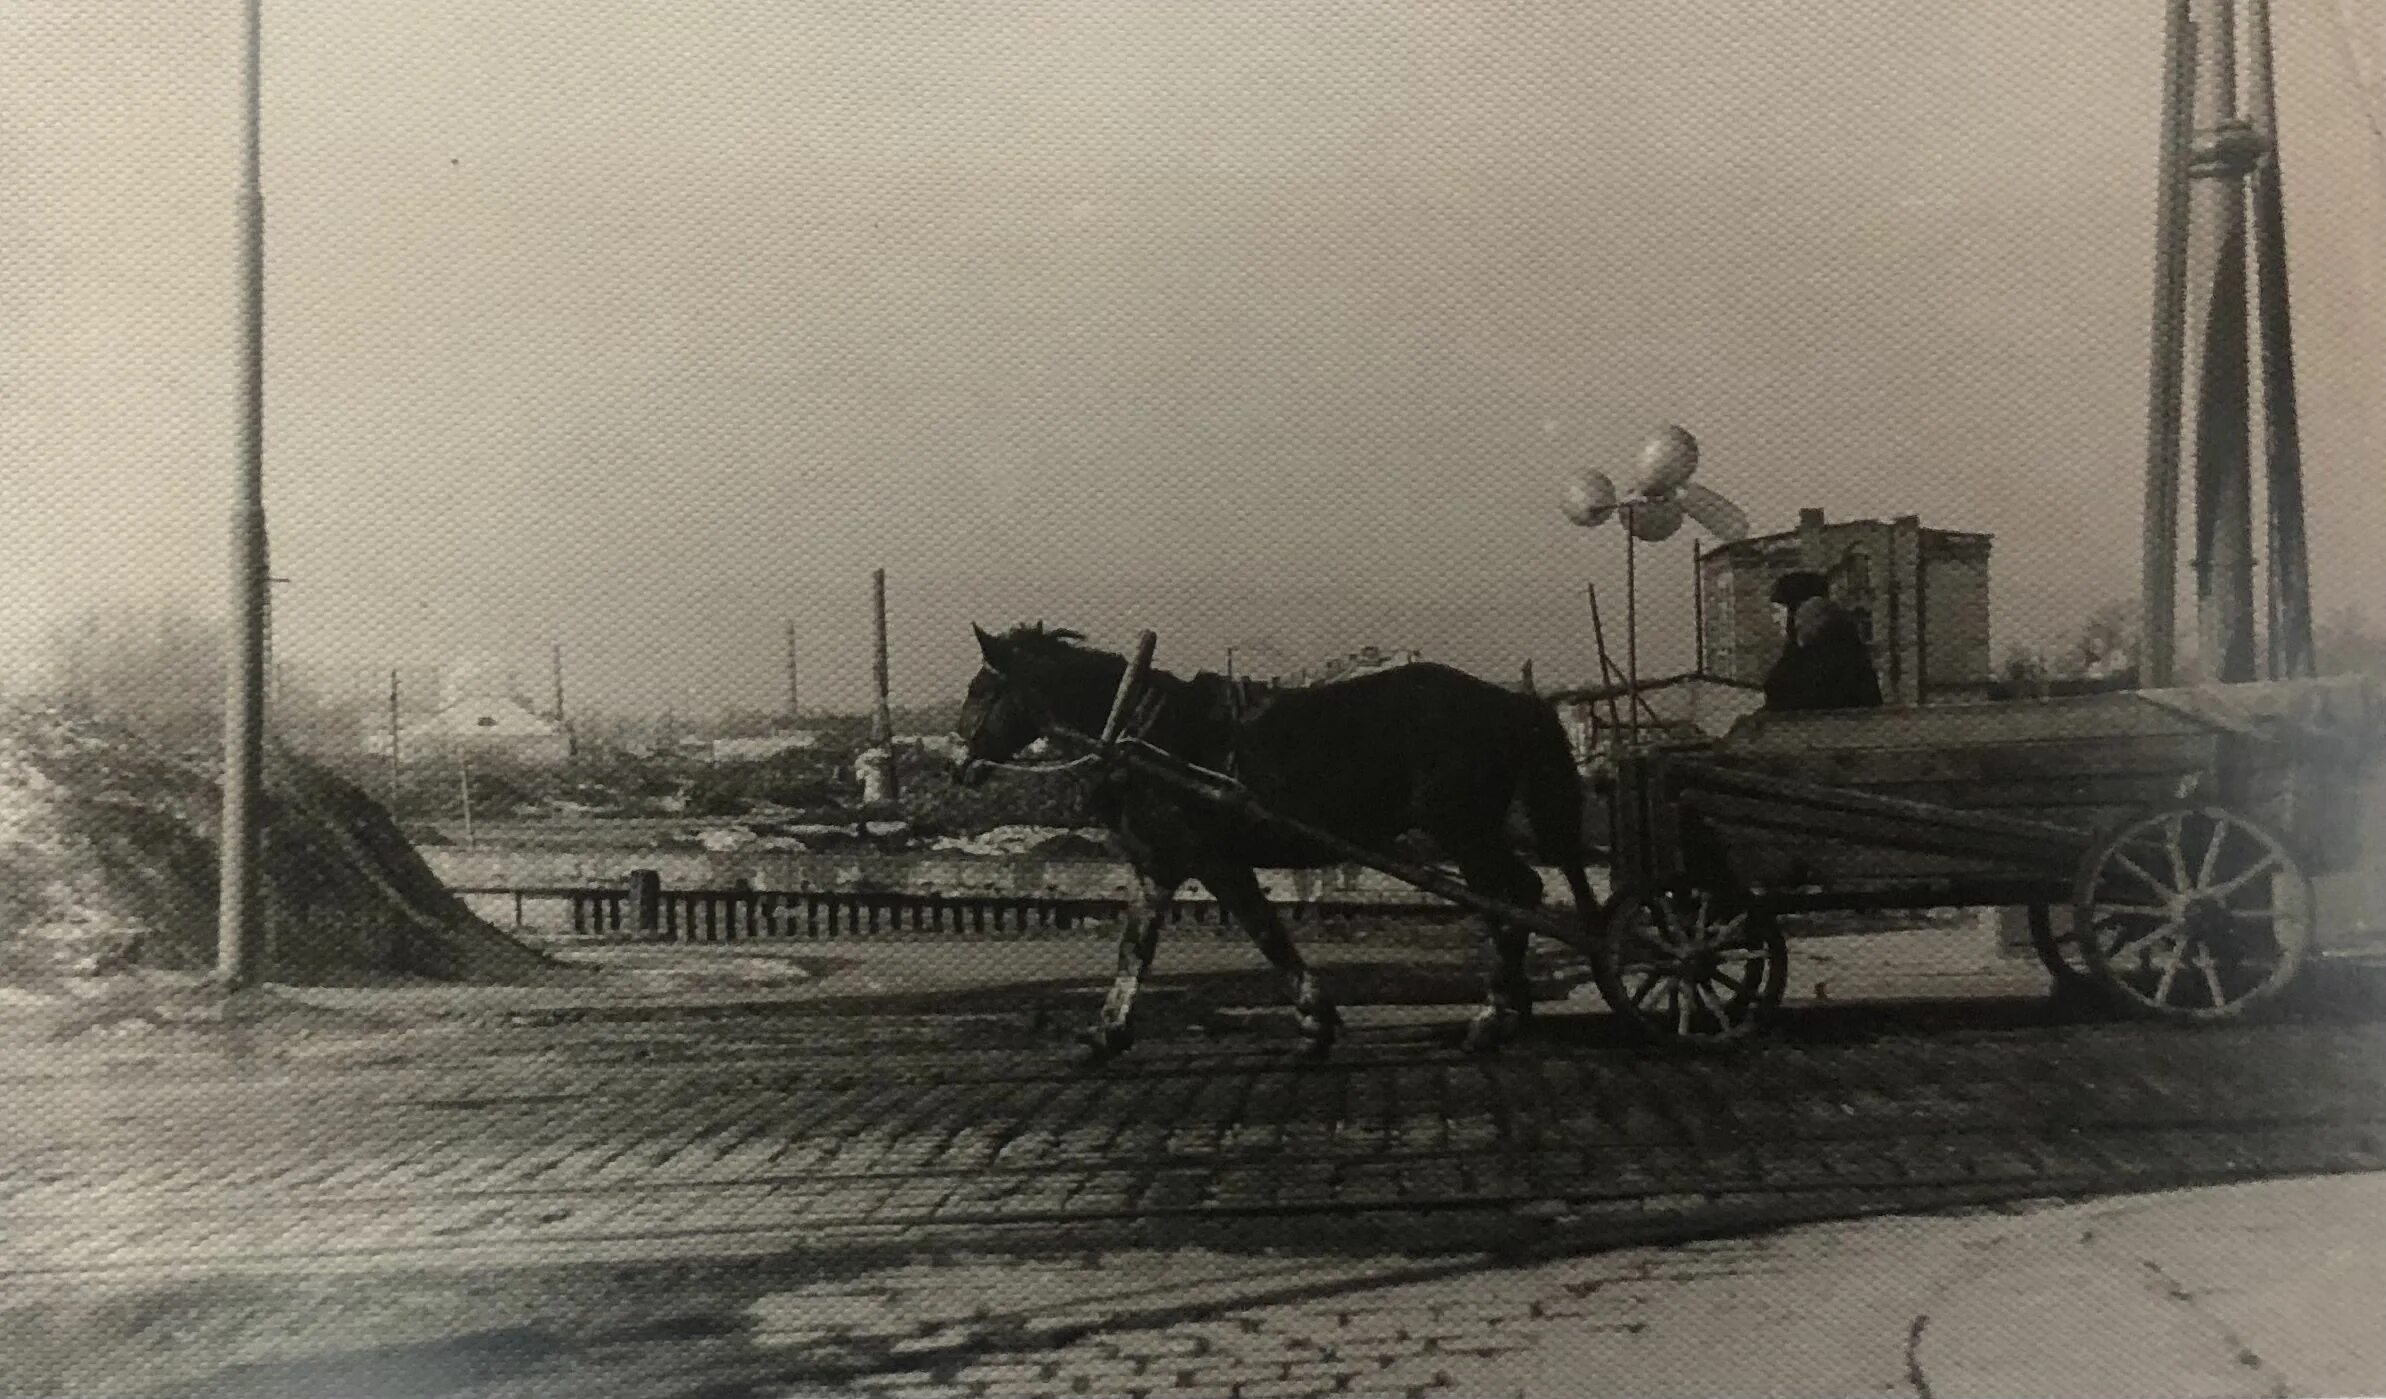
(794, 710)
(2168, 372)
(464, 772)
(884, 721)
(558, 657)
(239, 920)
(393, 741)
(2289, 590)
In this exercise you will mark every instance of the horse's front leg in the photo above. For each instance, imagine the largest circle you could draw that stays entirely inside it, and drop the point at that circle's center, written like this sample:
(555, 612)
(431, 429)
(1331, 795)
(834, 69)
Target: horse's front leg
(1237, 891)
(1508, 1001)
(1148, 902)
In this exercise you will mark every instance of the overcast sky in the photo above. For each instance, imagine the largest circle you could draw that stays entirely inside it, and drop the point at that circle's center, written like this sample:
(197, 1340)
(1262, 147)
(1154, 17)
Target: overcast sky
(650, 327)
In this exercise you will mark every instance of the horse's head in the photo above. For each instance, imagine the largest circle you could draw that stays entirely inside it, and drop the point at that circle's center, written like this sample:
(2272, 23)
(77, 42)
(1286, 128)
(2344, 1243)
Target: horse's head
(1006, 708)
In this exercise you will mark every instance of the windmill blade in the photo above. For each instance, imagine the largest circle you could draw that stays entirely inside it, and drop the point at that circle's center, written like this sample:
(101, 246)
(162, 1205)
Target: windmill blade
(1716, 515)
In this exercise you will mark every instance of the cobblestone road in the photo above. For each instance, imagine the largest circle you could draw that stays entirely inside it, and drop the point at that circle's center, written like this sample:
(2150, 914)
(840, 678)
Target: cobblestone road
(818, 1145)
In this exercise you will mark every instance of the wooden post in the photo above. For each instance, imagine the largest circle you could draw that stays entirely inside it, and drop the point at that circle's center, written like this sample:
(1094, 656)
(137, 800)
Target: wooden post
(464, 772)
(646, 901)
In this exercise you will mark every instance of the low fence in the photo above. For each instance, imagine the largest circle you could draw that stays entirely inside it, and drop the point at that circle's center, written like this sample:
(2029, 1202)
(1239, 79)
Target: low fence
(642, 907)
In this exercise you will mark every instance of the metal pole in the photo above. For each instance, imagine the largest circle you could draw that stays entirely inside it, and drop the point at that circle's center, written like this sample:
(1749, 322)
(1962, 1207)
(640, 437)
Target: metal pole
(1631, 607)
(239, 910)
(1698, 608)
(2223, 428)
(2167, 373)
(2289, 588)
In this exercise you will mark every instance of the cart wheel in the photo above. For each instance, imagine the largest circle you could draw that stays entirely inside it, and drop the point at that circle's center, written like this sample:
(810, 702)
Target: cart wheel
(1689, 966)
(2194, 913)
(2059, 953)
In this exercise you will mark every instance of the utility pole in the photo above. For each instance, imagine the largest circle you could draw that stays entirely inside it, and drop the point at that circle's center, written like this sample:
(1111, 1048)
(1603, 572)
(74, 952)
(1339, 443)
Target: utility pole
(883, 722)
(393, 741)
(558, 656)
(794, 712)
(239, 920)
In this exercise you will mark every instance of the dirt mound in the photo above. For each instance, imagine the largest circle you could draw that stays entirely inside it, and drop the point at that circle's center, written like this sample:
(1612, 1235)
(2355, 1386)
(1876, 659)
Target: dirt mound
(108, 862)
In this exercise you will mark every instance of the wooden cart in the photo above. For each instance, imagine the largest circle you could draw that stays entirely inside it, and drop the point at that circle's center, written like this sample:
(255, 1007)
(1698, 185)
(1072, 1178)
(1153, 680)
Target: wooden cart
(2182, 827)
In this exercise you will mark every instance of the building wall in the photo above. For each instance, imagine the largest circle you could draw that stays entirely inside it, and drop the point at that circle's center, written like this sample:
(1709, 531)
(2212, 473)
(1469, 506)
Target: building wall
(1920, 596)
(1955, 609)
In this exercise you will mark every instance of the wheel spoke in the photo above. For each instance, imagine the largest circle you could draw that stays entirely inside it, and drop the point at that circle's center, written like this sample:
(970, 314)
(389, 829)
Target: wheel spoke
(2138, 870)
(2129, 911)
(2260, 867)
(1649, 935)
(2211, 867)
(1681, 1011)
(2114, 949)
(1711, 1005)
(2211, 973)
(2173, 828)
(1739, 987)
(1641, 996)
(2254, 915)
(2170, 973)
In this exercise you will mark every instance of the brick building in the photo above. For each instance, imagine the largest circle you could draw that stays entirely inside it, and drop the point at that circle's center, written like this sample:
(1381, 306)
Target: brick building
(1920, 596)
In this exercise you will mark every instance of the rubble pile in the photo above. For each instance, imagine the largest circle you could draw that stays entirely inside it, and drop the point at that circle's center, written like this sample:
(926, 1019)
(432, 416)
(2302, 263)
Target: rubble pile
(108, 863)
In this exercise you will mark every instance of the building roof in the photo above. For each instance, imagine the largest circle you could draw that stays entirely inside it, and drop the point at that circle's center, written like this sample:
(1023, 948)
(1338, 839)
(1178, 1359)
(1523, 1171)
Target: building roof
(485, 717)
(1762, 543)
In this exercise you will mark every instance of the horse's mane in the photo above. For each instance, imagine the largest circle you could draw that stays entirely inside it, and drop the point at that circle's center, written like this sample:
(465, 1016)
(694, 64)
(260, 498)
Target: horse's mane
(1035, 636)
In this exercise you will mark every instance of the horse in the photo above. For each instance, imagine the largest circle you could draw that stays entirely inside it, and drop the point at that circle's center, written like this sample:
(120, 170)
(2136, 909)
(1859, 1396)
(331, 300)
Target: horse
(1372, 759)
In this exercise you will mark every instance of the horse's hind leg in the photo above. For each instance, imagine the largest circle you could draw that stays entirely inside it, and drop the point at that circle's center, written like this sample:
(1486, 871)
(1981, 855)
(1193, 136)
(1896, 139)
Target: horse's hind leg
(1237, 891)
(1500, 873)
(1138, 939)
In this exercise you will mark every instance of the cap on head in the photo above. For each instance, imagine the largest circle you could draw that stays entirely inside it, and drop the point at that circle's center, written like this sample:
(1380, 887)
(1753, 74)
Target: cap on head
(1794, 588)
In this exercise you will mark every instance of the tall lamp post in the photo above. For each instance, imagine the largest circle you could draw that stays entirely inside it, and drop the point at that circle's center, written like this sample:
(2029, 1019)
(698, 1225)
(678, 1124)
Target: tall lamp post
(1663, 497)
(238, 907)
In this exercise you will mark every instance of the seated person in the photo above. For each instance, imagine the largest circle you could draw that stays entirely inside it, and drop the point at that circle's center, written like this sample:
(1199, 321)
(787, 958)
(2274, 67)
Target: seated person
(1824, 662)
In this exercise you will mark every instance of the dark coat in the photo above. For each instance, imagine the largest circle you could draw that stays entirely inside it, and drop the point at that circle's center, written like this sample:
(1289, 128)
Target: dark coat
(1825, 664)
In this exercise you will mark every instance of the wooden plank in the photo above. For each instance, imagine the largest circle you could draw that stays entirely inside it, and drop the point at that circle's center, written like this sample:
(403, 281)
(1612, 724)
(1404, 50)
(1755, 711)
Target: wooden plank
(2077, 717)
(2013, 762)
(1794, 797)
(1766, 864)
(1745, 822)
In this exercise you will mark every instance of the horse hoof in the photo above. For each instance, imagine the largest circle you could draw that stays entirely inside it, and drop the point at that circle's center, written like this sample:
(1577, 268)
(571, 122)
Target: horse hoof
(1103, 1043)
(1488, 1034)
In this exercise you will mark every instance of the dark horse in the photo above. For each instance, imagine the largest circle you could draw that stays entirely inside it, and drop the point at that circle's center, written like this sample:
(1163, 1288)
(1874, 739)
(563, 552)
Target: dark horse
(1417, 748)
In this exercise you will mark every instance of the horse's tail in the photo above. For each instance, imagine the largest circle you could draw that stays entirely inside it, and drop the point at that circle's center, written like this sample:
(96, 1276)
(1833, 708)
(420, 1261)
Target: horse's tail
(1552, 798)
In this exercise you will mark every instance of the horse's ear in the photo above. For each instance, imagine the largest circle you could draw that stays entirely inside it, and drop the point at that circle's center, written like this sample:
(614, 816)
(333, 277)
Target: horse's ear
(991, 648)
